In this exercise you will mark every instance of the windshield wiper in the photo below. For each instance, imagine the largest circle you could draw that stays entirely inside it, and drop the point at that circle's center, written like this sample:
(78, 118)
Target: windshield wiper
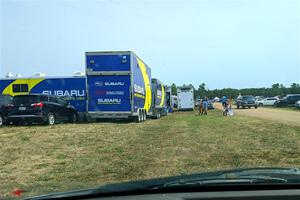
(224, 181)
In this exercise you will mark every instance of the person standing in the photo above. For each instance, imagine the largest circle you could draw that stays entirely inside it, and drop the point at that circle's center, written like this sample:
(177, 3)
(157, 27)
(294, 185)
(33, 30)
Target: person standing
(200, 109)
(205, 106)
(224, 101)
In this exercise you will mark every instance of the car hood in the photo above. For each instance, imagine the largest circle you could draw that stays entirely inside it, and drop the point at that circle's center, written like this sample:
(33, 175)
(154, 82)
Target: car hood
(292, 175)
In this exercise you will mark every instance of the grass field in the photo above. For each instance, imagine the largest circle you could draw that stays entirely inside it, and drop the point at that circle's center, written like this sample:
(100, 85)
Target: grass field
(43, 159)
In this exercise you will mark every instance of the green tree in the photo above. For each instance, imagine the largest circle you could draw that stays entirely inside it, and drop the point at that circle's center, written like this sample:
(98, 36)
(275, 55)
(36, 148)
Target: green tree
(174, 89)
(201, 90)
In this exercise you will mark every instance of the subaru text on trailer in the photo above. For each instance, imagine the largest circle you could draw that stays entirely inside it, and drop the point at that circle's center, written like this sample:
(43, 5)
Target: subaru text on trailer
(118, 86)
(71, 89)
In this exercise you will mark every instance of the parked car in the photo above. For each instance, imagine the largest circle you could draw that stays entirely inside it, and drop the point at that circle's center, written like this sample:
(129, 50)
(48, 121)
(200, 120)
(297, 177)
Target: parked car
(5, 102)
(288, 100)
(246, 101)
(270, 101)
(41, 108)
(297, 104)
(197, 102)
(210, 104)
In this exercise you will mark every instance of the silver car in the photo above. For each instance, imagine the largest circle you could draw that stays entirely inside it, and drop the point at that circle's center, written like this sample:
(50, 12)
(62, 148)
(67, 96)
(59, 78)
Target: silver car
(297, 104)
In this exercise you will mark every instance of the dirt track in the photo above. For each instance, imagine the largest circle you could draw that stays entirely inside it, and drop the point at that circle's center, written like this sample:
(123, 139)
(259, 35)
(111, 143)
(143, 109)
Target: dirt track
(283, 116)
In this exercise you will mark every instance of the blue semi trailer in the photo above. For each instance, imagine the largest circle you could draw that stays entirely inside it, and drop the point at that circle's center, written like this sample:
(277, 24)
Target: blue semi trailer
(119, 85)
(72, 89)
(159, 99)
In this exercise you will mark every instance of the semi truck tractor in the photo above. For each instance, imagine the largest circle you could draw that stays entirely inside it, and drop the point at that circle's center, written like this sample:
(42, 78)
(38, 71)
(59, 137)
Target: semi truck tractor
(118, 85)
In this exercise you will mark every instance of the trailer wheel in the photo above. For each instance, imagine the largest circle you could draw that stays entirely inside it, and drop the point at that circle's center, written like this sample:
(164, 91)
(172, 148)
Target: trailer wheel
(73, 118)
(139, 117)
(145, 115)
(142, 115)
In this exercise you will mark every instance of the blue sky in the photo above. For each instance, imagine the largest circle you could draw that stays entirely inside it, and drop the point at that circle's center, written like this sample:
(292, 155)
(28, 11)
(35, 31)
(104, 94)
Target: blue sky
(224, 43)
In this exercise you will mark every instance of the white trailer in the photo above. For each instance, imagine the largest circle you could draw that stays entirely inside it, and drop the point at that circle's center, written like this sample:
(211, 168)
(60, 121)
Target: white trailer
(185, 96)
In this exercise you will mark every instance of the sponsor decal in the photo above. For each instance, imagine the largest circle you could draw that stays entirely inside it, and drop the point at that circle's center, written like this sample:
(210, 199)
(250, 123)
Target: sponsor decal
(78, 93)
(114, 83)
(109, 101)
(100, 92)
(114, 92)
(139, 95)
(159, 94)
(98, 83)
(138, 89)
(104, 92)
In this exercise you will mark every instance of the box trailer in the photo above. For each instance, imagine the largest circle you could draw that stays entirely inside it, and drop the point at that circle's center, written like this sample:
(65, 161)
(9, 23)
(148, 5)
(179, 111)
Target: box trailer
(118, 85)
(185, 97)
(72, 89)
(159, 100)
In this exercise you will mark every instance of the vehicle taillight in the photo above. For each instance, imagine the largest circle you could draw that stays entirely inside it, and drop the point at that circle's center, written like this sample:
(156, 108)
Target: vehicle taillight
(40, 105)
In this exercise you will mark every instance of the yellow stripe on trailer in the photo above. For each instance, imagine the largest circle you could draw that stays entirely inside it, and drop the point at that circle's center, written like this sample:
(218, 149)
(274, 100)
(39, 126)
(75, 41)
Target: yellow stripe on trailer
(32, 82)
(162, 95)
(148, 94)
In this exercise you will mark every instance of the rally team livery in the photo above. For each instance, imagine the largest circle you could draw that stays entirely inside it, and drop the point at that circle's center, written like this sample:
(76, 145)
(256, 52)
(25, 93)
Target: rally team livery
(116, 85)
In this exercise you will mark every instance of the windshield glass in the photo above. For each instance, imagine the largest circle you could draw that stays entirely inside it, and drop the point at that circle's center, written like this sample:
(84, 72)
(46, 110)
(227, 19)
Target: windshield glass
(26, 100)
(107, 91)
(248, 98)
(4, 100)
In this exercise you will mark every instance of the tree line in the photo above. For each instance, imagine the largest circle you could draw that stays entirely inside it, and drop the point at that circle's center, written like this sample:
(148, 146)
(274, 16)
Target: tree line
(275, 90)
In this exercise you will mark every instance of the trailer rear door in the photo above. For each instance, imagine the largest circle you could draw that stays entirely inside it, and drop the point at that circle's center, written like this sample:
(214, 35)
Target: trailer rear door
(109, 93)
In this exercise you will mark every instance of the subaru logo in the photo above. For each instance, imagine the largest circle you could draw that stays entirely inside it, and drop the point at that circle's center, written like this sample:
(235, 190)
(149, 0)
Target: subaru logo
(98, 83)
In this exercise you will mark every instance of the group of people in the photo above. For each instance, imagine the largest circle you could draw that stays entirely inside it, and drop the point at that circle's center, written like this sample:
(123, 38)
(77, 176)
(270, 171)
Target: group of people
(226, 104)
(203, 106)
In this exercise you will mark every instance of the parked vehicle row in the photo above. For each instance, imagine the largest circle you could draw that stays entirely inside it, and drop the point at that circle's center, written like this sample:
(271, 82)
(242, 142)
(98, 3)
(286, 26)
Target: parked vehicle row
(117, 85)
(288, 100)
(36, 108)
(250, 101)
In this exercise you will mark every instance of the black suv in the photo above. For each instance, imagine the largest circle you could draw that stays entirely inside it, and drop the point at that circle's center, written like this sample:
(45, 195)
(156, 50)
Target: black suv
(5, 102)
(41, 108)
(289, 100)
(246, 101)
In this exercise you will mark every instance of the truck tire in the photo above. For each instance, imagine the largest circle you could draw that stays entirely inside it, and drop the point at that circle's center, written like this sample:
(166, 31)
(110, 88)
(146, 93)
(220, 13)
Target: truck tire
(139, 117)
(238, 107)
(73, 118)
(1, 120)
(255, 107)
(50, 118)
(145, 115)
(260, 104)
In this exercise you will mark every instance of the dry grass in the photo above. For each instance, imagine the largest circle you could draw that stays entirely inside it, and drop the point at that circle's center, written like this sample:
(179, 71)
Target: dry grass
(43, 159)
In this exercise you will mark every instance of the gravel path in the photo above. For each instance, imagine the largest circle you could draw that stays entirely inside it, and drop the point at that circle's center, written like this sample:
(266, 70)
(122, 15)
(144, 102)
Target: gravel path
(283, 116)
